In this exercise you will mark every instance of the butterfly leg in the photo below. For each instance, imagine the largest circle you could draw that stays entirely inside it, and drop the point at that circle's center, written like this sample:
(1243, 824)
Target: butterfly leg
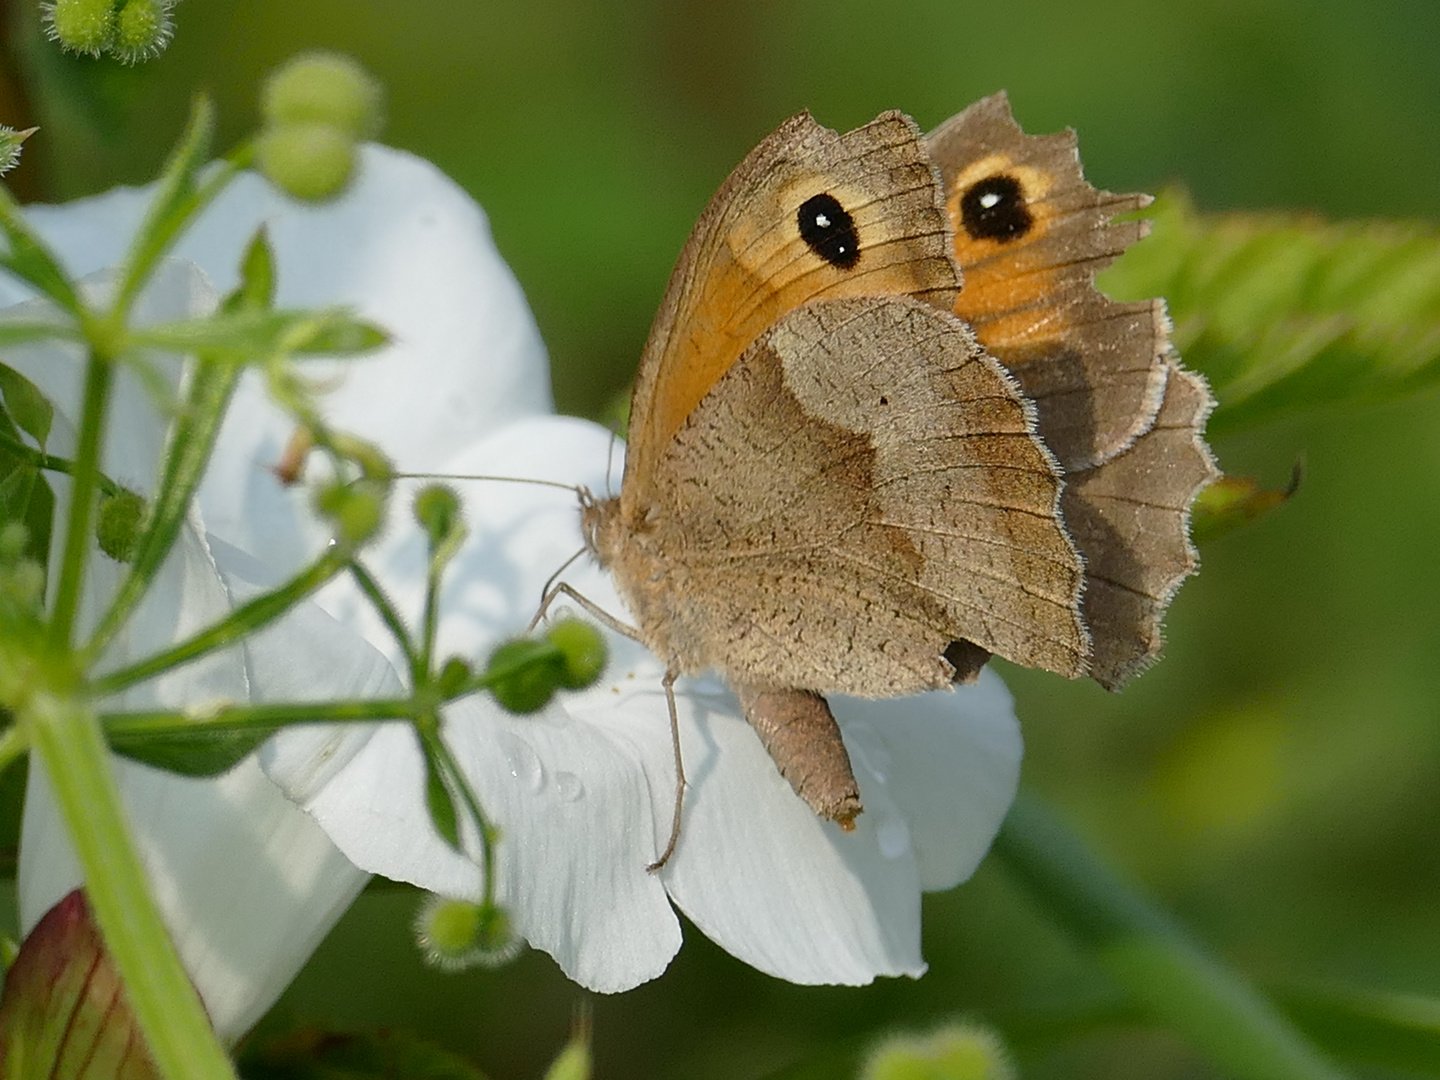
(669, 683)
(555, 591)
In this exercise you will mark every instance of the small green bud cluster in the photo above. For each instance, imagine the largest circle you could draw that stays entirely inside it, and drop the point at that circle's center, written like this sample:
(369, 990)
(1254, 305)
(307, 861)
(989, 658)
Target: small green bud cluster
(524, 673)
(459, 934)
(117, 528)
(316, 108)
(10, 143)
(955, 1052)
(128, 30)
(22, 579)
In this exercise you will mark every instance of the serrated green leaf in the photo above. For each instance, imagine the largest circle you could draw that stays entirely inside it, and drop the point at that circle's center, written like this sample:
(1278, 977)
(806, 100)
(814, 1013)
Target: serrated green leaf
(317, 1054)
(200, 751)
(64, 1015)
(26, 256)
(250, 334)
(28, 407)
(1283, 310)
(174, 202)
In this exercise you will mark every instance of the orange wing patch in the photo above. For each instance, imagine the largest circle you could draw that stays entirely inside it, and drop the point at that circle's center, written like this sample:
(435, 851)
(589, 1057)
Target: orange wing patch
(1030, 235)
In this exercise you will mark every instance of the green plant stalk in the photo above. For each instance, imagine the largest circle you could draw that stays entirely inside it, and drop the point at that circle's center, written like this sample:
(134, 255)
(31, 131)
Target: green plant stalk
(248, 717)
(192, 438)
(1170, 977)
(376, 595)
(245, 620)
(428, 728)
(14, 742)
(67, 737)
(51, 463)
(99, 376)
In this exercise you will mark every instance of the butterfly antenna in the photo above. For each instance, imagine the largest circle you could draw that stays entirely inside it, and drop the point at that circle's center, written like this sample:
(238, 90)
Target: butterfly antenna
(576, 488)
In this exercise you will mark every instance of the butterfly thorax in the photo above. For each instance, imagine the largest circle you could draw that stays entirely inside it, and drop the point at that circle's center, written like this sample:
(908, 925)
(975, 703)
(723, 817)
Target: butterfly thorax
(627, 545)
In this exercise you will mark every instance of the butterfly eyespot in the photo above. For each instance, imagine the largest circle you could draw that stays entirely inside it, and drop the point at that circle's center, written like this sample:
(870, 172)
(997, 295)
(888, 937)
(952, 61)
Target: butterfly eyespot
(829, 230)
(884, 401)
(994, 209)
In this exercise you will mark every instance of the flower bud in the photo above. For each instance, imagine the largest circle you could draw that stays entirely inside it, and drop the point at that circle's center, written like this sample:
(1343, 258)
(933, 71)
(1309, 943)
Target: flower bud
(307, 160)
(955, 1052)
(325, 88)
(524, 674)
(453, 677)
(10, 144)
(573, 1063)
(142, 30)
(459, 934)
(14, 538)
(584, 651)
(437, 509)
(82, 26)
(117, 529)
(355, 511)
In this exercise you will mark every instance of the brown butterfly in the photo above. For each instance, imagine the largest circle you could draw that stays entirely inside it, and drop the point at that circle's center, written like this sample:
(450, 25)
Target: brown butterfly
(886, 426)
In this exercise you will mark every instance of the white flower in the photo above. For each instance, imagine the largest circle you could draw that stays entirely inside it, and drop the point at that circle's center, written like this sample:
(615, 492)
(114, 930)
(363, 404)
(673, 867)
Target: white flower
(583, 791)
(249, 884)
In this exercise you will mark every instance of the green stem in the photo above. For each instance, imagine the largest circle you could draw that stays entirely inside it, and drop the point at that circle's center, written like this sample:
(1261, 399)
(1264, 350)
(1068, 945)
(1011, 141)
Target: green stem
(376, 595)
(187, 452)
(13, 743)
(1169, 975)
(429, 729)
(99, 373)
(169, 1011)
(243, 621)
(160, 722)
(51, 463)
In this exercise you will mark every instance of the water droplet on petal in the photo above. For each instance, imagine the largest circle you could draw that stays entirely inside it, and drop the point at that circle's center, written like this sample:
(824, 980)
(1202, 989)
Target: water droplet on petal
(570, 786)
(893, 836)
(868, 750)
(524, 764)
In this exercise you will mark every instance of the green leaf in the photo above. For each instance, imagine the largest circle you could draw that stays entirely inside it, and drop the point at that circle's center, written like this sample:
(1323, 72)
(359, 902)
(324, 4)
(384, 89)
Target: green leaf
(176, 199)
(64, 1014)
(27, 406)
(26, 497)
(1368, 1027)
(316, 1054)
(438, 799)
(256, 291)
(197, 751)
(1284, 310)
(250, 334)
(27, 257)
(1232, 501)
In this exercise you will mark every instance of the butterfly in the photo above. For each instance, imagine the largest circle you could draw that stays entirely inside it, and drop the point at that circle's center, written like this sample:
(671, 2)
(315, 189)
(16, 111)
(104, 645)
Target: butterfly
(885, 426)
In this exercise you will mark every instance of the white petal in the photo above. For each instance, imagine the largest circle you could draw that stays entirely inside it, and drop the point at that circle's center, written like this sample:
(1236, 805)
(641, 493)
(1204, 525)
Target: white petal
(766, 879)
(952, 761)
(407, 249)
(572, 801)
(247, 883)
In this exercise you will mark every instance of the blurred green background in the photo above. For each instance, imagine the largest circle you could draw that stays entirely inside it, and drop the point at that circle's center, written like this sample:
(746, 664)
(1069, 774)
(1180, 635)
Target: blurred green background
(1275, 781)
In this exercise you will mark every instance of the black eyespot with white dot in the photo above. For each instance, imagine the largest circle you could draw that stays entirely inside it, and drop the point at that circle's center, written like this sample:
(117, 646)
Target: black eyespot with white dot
(829, 230)
(994, 209)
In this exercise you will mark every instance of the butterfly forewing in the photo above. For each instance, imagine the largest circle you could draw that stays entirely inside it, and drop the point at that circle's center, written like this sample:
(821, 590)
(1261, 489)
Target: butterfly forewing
(808, 214)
